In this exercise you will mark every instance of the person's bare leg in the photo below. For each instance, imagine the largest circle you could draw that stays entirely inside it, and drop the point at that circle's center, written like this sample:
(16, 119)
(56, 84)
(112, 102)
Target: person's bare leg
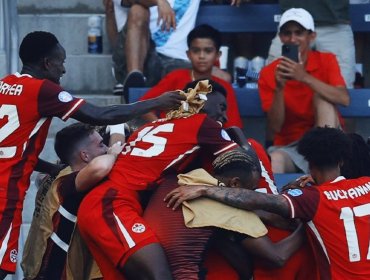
(110, 22)
(137, 40)
(325, 113)
(148, 262)
(281, 162)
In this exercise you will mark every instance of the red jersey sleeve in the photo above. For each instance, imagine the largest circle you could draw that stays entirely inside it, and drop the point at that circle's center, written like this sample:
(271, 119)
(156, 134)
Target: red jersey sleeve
(303, 203)
(55, 101)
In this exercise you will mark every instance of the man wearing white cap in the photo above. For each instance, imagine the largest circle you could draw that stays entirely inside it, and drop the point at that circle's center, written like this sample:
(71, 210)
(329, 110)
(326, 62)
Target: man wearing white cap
(297, 96)
(334, 32)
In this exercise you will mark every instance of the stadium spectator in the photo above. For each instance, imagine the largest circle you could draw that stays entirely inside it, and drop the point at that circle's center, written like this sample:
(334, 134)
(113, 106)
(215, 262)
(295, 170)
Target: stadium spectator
(334, 33)
(204, 44)
(298, 95)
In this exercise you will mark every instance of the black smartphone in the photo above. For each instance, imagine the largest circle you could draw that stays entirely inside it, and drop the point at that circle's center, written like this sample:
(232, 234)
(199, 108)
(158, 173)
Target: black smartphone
(290, 51)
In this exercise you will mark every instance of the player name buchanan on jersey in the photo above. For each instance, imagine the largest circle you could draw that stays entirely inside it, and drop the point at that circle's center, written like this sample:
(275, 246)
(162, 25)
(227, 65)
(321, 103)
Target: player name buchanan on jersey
(351, 193)
(7, 89)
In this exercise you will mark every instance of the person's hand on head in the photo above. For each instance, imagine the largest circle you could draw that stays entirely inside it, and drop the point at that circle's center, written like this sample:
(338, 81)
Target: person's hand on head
(115, 149)
(166, 16)
(176, 197)
(170, 100)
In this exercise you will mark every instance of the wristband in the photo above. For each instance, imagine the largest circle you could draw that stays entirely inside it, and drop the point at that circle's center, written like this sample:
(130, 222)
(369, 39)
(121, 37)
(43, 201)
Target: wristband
(116, 128)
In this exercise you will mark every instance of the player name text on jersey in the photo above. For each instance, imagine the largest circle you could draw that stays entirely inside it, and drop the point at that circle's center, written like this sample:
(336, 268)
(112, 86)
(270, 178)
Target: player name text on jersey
(7, 89)
(348, 194)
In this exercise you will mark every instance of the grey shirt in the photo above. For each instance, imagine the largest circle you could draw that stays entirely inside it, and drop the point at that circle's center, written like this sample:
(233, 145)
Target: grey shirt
(324, 12)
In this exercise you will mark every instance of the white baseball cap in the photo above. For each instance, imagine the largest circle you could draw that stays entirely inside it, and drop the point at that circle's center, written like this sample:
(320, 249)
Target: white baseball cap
(298, 15)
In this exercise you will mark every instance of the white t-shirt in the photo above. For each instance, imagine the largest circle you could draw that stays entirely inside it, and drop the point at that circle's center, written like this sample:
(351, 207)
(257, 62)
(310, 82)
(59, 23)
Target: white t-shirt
(173, 43)
(120, 14)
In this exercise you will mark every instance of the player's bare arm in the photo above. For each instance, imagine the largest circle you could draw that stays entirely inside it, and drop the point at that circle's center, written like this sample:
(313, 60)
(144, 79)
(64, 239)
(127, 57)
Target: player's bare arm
(239, 198)
(115, 114)
(97, 169)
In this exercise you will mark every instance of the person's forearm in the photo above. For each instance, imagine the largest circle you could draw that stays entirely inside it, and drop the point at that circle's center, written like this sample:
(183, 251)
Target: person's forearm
(332, 94)
(48, 167)
(248, 199)
(276, 114)
(289, 245)
(114, 114)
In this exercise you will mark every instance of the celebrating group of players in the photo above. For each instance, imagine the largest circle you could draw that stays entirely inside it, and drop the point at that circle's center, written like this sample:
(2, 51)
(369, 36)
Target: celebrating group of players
(102, 188)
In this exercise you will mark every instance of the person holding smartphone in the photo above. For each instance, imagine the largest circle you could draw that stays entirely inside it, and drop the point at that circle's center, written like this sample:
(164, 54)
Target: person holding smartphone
(298, 91)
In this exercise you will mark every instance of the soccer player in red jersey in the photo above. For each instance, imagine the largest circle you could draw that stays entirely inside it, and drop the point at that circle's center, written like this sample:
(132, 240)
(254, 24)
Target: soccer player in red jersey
(110, 216)
(336, 209)
(28, 101)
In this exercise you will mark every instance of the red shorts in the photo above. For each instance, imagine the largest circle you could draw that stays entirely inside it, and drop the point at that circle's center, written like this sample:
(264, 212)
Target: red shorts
(110, 222)
(10, 224)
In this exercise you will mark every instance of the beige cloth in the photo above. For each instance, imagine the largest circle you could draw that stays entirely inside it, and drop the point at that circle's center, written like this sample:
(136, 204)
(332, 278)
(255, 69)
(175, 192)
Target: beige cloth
(195, 99)
(79, 265)
(206, 212)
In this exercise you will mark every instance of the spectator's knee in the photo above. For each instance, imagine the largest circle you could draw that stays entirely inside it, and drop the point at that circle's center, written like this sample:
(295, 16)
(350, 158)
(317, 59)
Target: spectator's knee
(139, 16)
(281, 162)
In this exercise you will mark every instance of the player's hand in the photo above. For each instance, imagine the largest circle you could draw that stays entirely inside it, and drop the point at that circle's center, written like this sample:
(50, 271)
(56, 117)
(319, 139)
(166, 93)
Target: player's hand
(166, 16)
(115, 149)
(176, 197)
(170, 100)
(301, 182)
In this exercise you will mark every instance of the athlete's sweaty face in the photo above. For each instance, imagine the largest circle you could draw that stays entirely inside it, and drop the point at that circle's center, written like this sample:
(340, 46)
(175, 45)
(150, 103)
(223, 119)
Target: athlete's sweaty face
(54, 64)
(215, 107)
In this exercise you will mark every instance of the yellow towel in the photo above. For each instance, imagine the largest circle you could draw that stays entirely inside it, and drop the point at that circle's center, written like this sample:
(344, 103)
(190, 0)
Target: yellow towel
(203, 212)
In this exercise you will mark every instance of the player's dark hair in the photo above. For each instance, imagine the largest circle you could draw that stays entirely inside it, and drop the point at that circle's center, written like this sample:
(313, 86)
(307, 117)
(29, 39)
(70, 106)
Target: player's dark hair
(37, 45)
(358, 163)
(237, 163)
(69, 139)
(205, 31)
(324, 147)
(215, 86)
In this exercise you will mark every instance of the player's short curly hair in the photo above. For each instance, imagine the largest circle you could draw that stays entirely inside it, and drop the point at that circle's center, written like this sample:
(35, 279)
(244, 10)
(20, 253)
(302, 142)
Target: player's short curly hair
(37, 45)
(325, 147)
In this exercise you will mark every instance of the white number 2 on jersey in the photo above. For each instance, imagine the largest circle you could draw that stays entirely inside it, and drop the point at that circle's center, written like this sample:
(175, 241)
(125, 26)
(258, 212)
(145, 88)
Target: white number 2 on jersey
(148, 135)
(348, 216)
(9, 111)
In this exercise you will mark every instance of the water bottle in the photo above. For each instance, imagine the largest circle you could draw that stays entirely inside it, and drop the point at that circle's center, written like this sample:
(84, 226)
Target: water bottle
(94, 34)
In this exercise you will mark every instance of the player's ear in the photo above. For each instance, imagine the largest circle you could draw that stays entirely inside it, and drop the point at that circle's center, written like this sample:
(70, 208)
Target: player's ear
(84, 156)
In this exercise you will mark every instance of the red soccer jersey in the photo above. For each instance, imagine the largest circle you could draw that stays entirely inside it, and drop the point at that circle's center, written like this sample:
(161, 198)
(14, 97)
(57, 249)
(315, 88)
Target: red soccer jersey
(339, 217)
(301, 265)
(26, 107)
(178, 79)
(266, 184)
(171, 145)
